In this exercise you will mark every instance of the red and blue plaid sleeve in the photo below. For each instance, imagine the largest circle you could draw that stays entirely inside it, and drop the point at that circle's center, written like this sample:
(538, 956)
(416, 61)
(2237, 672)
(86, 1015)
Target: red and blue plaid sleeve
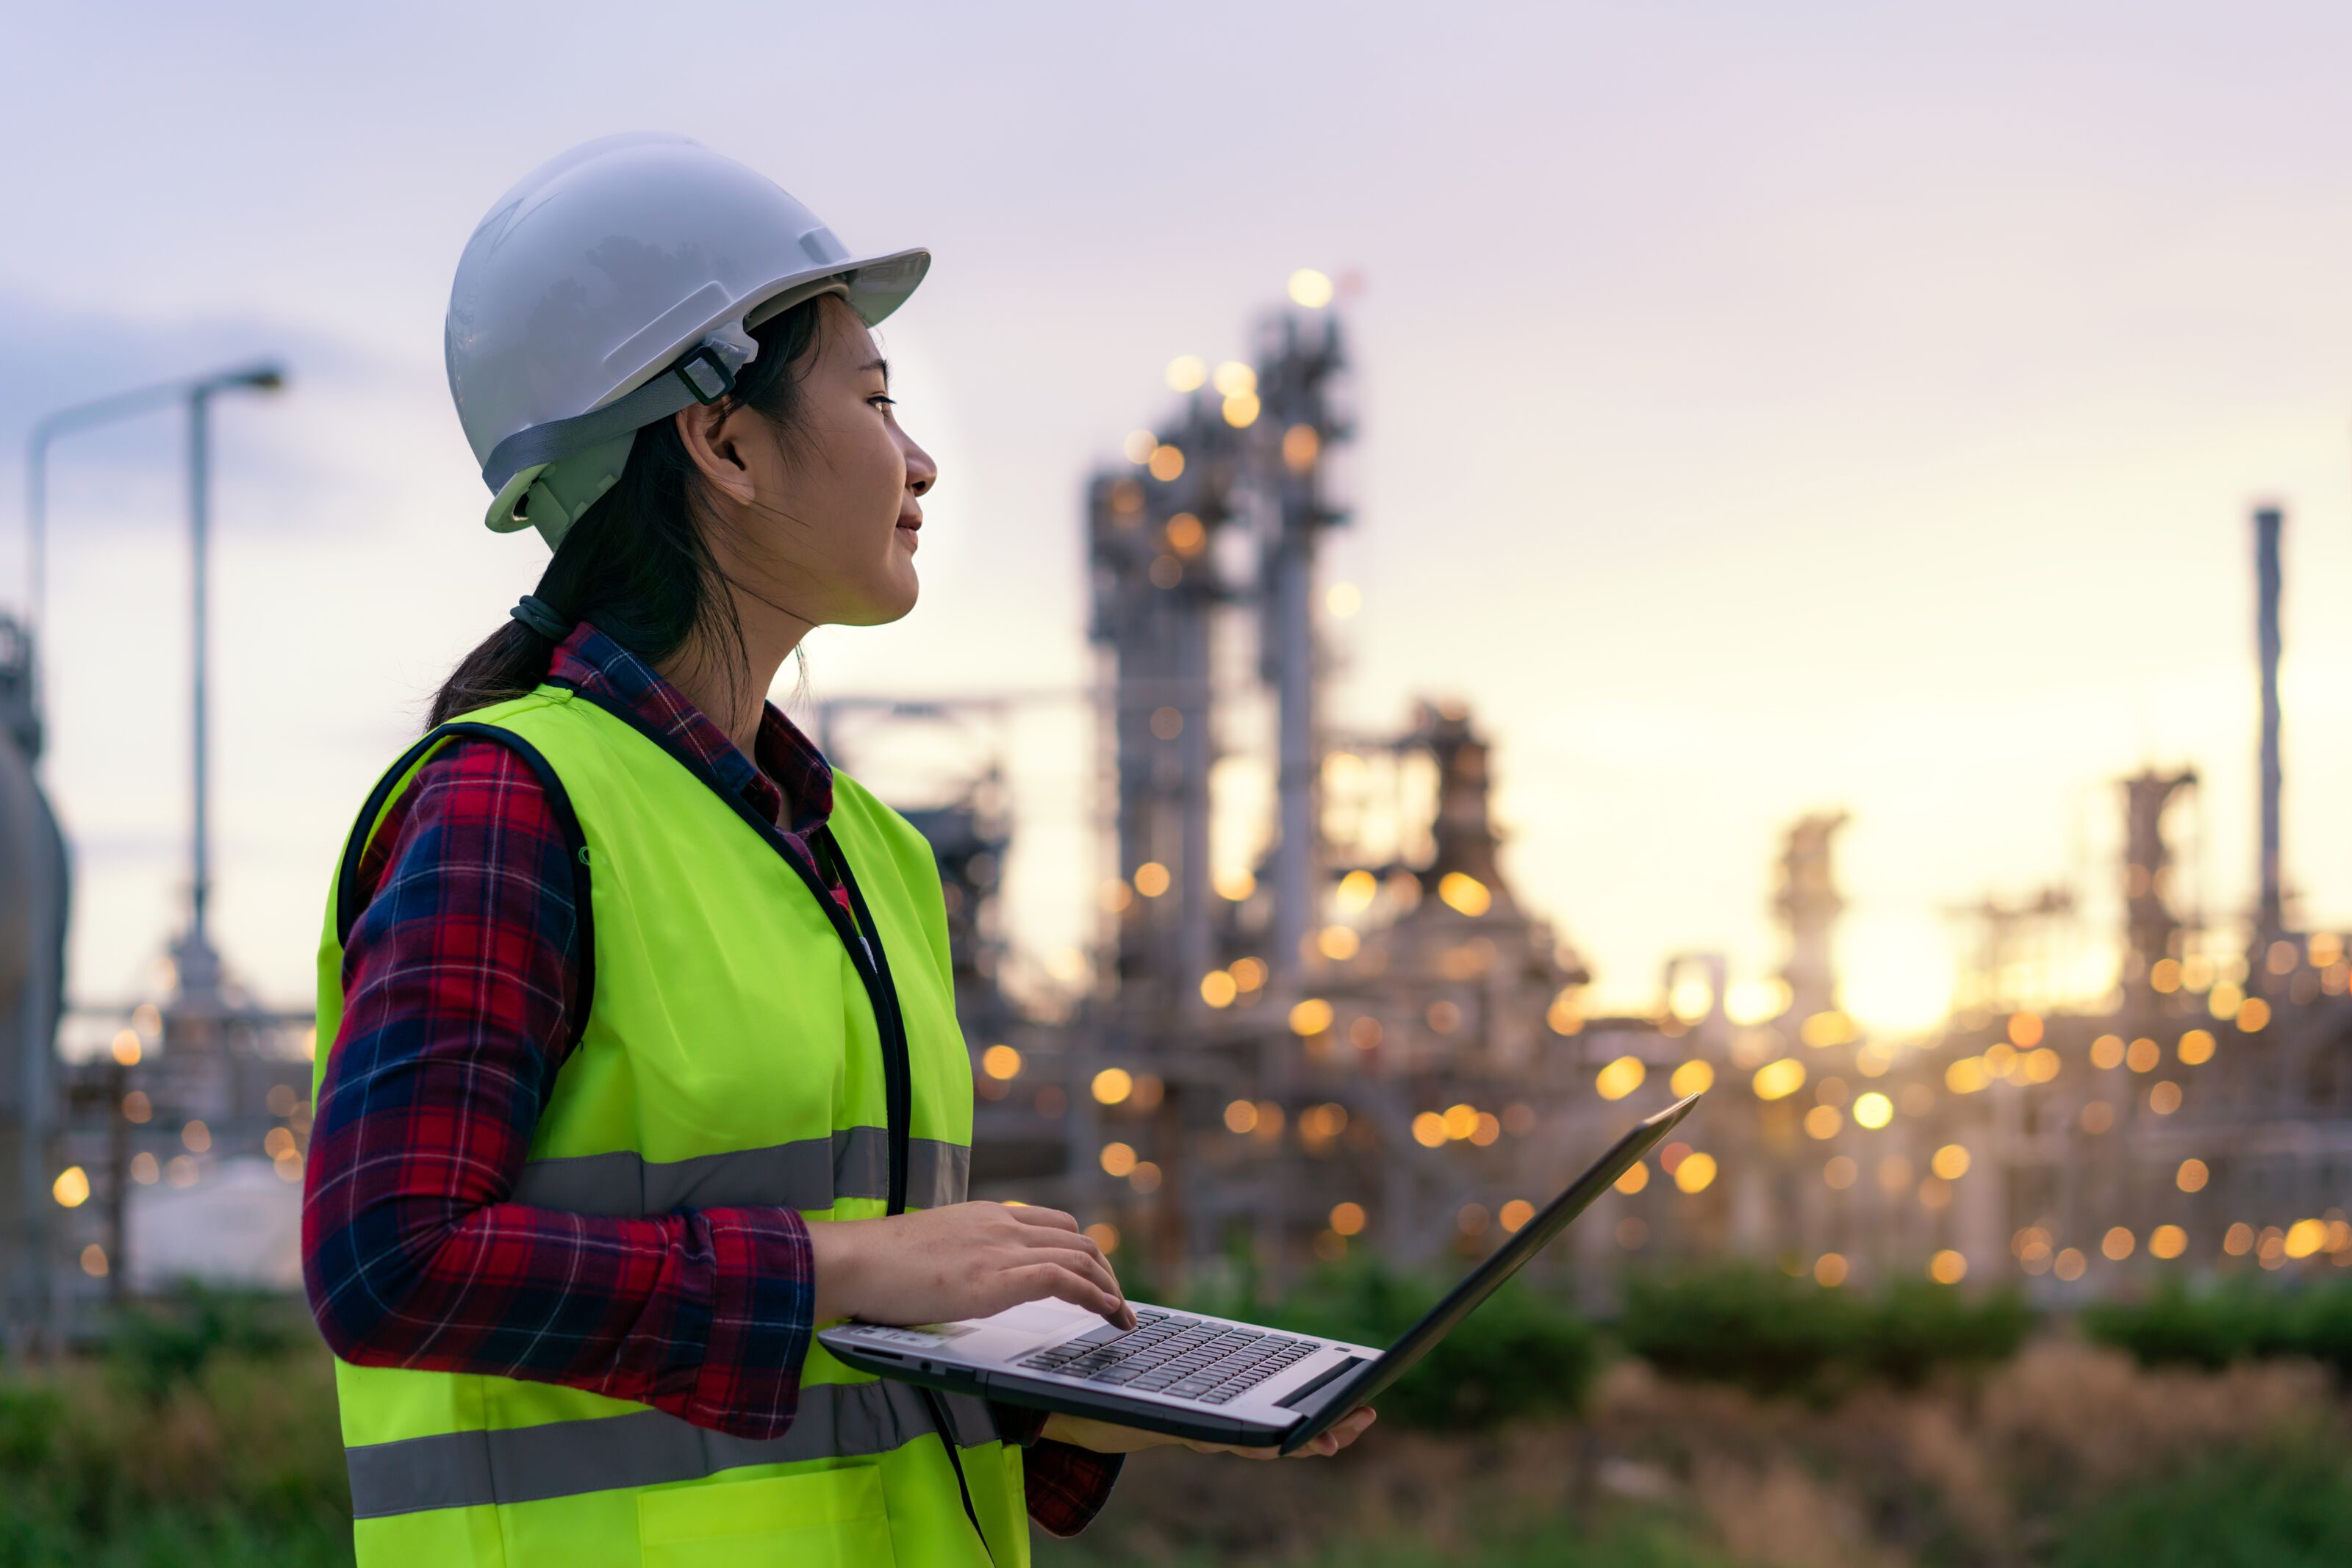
(1066, 1485)
(461, 980)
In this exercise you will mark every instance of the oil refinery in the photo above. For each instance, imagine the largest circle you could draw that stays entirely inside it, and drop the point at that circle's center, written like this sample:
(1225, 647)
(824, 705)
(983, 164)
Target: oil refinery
(1363, 1034)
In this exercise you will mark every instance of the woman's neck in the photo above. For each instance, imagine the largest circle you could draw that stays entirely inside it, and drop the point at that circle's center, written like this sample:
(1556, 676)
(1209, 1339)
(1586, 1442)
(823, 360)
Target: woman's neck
(732, 690)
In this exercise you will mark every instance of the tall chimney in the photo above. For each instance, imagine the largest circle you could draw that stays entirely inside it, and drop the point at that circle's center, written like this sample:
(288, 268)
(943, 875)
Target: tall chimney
(2270, 921)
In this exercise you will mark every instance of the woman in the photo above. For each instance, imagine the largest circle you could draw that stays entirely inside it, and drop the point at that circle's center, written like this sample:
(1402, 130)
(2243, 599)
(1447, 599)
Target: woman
(643, 1058)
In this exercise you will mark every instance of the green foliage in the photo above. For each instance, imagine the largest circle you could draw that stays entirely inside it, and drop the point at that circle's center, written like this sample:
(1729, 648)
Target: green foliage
(2285, 1505)
(1631, 1540)
(236, 1460)
(2210, 1328)
(29, 1420)
(2179, 1327)
(167, 1539)
(2319, 1325)
(1740, 1324)
(162, 1346)
(1759, 1330)
(1914, 1327)
(1524, 1353)
(1521, 1354)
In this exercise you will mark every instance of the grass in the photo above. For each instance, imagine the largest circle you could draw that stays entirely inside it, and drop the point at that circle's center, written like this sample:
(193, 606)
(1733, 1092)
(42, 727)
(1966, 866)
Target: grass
(2280, 1504)
(1637, 1540)
(239, 1462)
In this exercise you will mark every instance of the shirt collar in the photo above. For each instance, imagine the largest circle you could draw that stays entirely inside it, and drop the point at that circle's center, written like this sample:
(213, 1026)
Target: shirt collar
(790, 784)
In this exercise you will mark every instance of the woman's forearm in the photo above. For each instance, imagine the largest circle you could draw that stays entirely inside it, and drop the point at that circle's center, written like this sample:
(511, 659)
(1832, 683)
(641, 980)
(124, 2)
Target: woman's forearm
(706, 1314)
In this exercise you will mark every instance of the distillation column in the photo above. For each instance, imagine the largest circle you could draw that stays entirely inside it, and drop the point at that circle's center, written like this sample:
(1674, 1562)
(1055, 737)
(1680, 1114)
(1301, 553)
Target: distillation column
(2270, 916)
(1294, 387)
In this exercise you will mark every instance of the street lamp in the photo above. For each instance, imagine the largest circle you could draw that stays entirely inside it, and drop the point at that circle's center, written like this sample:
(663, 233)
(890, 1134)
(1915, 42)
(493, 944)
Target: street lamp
(195, 957)
(199, 966)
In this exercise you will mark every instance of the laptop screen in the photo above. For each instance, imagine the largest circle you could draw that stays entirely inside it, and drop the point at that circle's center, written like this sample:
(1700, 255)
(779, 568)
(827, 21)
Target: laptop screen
(1487, 1277)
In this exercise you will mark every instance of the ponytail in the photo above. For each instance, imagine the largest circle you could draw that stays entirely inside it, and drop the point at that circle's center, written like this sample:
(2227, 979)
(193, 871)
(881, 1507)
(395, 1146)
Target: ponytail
(638, 562)
(508, 663)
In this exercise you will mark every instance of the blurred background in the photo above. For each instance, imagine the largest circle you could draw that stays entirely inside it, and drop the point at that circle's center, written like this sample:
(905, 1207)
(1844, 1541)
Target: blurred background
(1485, 575)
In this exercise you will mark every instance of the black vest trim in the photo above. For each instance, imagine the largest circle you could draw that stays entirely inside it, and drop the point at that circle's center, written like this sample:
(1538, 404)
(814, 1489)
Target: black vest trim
(900, 1095)
(567, 821)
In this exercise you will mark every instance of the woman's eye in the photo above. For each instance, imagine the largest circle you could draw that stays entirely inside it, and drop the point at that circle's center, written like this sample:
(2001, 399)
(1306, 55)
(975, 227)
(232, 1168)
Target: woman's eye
(884, 398)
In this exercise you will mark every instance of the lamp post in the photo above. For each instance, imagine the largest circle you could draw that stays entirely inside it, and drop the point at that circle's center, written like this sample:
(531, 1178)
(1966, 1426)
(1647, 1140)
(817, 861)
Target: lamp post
(38, 1289)
(198, 965)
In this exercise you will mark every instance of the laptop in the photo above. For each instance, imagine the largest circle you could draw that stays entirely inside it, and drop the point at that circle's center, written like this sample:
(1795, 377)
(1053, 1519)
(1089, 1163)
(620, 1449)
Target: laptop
(1194, 1376)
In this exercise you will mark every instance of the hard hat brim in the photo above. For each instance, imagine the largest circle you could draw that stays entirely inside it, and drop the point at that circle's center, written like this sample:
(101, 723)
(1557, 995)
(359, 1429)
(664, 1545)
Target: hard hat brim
(875, 286)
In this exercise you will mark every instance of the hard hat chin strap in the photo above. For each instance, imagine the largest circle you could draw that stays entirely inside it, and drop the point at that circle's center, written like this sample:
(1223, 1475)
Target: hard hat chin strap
(560, 493)
(704, 375)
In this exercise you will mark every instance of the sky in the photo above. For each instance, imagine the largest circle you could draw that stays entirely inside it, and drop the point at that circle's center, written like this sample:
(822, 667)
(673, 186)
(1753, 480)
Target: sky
(1763, 410)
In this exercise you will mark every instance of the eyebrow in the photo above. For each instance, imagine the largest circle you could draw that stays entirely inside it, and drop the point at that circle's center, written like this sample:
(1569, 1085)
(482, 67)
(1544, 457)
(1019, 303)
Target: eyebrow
(877, 363)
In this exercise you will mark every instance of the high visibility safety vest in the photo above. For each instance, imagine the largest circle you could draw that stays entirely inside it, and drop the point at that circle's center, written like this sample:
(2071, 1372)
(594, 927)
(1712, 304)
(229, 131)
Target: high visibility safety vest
(748, 1042)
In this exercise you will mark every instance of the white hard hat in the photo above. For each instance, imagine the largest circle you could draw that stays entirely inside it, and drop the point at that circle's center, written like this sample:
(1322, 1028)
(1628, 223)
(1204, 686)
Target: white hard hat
(614, 285)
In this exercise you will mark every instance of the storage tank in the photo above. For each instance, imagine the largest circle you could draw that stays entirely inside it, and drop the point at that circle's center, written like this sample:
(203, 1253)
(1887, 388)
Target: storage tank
(33, 905)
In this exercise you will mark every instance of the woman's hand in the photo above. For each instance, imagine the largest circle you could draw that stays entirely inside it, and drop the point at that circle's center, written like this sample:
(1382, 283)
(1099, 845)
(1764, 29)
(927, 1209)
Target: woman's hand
(1104, 1437)
(965, 1260)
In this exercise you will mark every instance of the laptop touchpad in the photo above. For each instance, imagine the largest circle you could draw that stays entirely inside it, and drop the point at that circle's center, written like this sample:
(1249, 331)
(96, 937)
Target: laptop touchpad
(1041, 1317)
(1015, 1329)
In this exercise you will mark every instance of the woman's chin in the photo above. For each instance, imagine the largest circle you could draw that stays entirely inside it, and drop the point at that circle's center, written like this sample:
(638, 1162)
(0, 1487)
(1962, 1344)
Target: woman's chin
(897, 594)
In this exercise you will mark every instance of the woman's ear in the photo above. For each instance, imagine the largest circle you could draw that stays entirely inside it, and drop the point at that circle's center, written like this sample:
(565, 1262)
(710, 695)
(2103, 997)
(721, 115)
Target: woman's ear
(710, 434)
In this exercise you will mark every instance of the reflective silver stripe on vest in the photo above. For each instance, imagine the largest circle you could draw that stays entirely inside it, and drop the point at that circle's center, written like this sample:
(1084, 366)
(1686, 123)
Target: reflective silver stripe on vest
(647, 1448)
(809, 1174)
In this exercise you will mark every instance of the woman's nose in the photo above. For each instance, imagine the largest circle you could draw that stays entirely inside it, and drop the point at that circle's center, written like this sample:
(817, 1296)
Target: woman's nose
(921, 472)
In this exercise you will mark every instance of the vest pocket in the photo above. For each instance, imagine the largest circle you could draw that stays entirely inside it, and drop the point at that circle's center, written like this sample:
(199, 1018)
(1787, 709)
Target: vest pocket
(823, 1519)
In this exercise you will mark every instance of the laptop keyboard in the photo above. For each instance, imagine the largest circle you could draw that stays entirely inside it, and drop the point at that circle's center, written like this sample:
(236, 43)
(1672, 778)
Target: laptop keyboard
(1168, 1353)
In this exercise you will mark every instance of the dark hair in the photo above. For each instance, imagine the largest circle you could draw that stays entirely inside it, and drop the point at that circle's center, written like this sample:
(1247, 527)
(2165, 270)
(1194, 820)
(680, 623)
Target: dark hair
(638, 562)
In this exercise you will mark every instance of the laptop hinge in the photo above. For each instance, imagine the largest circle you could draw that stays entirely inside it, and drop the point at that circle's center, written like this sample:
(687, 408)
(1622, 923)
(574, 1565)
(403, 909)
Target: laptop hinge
(1300, 1394)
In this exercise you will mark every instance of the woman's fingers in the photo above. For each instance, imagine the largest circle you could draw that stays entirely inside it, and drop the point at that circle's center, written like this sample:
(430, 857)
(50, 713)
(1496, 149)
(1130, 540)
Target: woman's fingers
(1052, 1228)
(1046, 1235)
(1037, 1280)
(1094, 1269)
(1344, 1431)
(969, 1260)
(1208, 1447)
(1077, 1252)
(1323, 1445)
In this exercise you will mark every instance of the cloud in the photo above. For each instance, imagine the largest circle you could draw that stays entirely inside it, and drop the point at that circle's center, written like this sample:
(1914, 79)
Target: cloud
(54, 357)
